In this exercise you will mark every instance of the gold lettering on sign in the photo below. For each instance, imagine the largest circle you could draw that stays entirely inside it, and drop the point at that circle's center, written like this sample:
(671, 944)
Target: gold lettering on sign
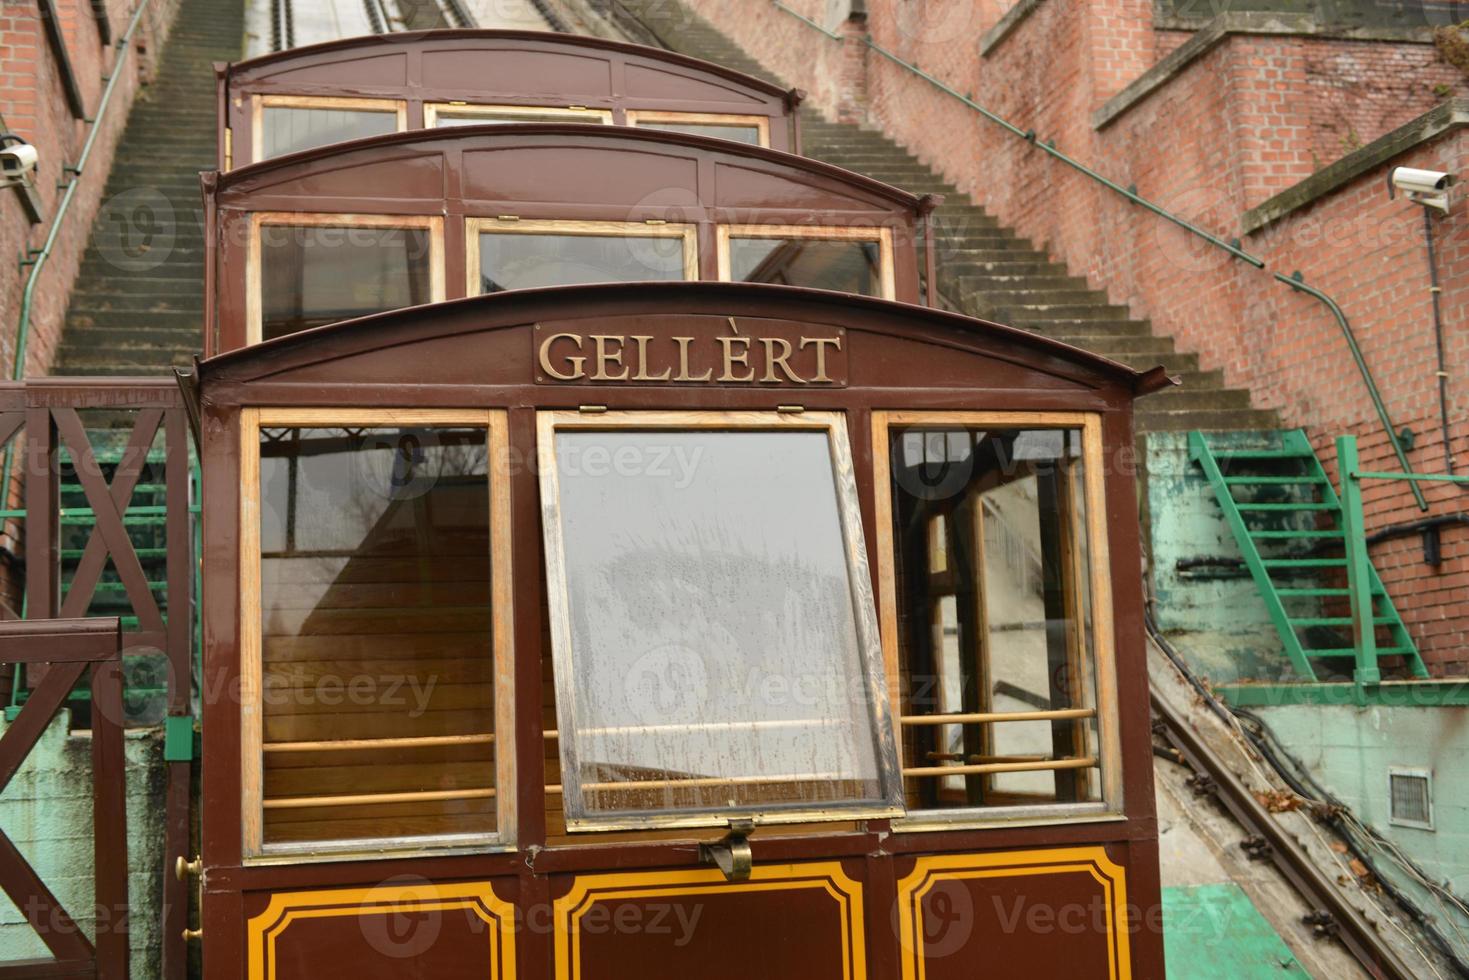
(683, 361)
(772, 359)
(606, 356)
(821, 343)
(576, 362)
(736, 358)
(733, 357)
(643, 374)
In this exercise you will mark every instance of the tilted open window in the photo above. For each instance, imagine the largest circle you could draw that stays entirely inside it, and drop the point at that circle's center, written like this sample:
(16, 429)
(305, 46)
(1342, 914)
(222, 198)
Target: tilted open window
(712, 621)
(438, 114)
(849, 260)
(290, 123)
(523, 254)
(307, 270)
(376, 700)
(996, 614)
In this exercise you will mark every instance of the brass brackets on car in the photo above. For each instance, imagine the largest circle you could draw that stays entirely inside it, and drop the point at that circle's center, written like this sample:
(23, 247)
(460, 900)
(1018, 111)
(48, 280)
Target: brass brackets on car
(732, 854)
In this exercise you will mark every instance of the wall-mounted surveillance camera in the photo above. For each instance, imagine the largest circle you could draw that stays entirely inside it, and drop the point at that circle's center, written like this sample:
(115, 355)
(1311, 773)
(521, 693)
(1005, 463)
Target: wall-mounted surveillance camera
(17, 159)
(1429, 188)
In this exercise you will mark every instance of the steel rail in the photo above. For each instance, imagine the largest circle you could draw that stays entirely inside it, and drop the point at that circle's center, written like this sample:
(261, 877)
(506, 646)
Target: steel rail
(1231, 247)
(1356, 933)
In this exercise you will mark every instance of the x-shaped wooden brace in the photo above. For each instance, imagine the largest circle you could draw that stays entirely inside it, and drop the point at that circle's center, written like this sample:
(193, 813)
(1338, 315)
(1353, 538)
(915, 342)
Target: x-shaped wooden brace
(109, 503)
(69, 648)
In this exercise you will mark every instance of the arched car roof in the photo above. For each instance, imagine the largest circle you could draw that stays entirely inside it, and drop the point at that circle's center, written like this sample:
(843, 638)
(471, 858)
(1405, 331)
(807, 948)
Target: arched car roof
(510, 133)
(367, 42)
(477, 314)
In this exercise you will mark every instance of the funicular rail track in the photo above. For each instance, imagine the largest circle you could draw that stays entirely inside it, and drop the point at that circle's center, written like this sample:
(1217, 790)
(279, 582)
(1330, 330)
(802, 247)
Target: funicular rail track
(1345, 921)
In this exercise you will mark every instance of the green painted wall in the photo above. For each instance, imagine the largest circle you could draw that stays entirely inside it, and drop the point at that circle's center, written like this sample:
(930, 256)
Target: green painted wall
(1216, 616)
(47, 811)
(1214, 932)
(1350, 750)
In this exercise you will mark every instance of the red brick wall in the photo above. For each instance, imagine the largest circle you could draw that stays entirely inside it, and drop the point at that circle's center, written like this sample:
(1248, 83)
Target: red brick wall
(33, 105)
(1252, 117)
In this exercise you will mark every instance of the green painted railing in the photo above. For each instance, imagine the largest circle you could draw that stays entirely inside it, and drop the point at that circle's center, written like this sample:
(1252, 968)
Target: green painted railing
(1295, 281)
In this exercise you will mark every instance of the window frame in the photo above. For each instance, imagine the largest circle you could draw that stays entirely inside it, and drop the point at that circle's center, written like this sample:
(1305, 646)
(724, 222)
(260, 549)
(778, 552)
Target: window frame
(866, 617)
(761, 123)
(431, 111)
(259, 103)
(882, 235)
(259, 220)
(515, 225)
(495, 422)
(1109, 748)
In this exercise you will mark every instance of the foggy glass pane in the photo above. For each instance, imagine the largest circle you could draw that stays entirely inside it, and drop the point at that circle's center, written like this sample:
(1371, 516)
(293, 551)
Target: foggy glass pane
(994, 608)
(375, 623)
(714, 645)
(312, 275)
(724, 131)
(449, 117)
(527, 260)
(287, 130)
(850, 267)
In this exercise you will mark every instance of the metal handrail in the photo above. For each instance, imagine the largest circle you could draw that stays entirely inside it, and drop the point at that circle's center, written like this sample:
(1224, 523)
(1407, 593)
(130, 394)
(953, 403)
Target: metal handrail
(1049, 148)
(37, 262)
(37, 259)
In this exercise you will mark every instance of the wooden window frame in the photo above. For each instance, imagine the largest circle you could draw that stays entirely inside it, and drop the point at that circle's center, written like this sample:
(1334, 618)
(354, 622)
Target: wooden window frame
(869, 641)
(254, 308)
(431, 111)
(259, 103)
(761, 123)
(883, 236)
(1103, 634)
(513, 225)
(495, 422)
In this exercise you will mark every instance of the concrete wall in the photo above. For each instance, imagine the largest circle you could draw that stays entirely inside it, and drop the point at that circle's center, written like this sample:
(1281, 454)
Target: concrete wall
(1214, 615)
(1351, 749)
(1255, 112)
(47, 811)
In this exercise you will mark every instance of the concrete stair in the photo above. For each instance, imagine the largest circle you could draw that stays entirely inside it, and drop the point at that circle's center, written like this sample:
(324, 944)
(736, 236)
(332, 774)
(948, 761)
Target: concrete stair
(985, 269)
(138, 304)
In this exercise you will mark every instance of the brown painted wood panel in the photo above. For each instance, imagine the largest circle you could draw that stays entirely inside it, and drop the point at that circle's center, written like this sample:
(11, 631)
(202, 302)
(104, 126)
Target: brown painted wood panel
(487, 67)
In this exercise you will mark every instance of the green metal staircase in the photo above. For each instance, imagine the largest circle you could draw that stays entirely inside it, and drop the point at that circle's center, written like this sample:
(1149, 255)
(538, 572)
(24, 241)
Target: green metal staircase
(1292, 532)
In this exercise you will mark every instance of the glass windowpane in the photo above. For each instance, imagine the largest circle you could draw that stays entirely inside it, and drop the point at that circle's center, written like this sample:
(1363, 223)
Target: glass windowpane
(316, 274)
(716, 663)
(846, 266)
(376, 624)
(994, 612)
(287, 130)
(525, 260)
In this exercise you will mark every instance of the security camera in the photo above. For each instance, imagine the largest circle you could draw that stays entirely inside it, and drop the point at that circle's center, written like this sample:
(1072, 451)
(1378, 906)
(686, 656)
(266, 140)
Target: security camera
(1429, 188)
(17, 158)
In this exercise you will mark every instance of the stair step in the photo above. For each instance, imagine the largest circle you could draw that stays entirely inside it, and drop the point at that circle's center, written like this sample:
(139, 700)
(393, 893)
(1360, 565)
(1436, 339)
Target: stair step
(1350, 652)
(1304, 562)
(1260, 454)
(1339, 621)
(1241, 481)
(1289, 535)
(1284, 507)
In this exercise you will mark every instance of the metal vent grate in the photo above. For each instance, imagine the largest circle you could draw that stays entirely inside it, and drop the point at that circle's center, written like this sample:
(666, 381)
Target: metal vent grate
(1411, 792)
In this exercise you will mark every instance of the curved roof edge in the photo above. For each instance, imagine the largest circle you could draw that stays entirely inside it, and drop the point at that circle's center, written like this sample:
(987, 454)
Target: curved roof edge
(792, 161)
(718, 298)
(387, 41)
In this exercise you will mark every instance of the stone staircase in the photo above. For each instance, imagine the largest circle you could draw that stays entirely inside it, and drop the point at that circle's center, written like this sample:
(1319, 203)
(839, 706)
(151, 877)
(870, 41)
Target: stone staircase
(985, 269)
(138, 304)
